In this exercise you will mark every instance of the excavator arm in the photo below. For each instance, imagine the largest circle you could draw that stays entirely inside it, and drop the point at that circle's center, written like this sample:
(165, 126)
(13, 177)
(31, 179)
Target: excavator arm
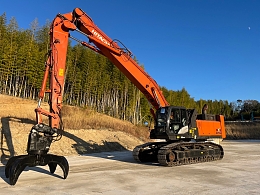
(121, 58)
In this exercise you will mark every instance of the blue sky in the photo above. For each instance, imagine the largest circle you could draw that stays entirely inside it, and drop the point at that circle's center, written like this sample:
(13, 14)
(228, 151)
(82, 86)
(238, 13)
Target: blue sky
(209, 47)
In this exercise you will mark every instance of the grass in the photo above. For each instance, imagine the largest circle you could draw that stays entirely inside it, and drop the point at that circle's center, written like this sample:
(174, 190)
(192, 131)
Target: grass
(74, 118)
(83, 118)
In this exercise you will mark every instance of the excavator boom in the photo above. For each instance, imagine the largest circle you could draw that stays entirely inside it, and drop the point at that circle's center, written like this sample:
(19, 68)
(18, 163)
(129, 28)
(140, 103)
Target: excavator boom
(121, 58)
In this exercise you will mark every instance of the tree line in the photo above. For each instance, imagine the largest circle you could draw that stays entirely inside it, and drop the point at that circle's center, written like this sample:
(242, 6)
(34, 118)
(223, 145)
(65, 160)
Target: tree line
(91, 79)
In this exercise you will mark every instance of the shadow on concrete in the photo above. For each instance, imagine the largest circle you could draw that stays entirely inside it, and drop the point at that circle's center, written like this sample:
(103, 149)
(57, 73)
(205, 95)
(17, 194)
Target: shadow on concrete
(123, 156)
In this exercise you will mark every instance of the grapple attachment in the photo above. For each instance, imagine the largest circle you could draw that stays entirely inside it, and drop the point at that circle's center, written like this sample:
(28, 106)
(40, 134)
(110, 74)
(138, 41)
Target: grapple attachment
(39, 142)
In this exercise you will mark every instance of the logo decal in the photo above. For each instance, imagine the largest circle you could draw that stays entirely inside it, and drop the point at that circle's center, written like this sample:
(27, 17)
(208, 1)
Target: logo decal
(100, 37)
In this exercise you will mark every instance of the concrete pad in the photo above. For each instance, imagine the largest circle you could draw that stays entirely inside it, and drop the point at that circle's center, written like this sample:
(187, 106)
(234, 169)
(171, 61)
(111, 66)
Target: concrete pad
(117, 173)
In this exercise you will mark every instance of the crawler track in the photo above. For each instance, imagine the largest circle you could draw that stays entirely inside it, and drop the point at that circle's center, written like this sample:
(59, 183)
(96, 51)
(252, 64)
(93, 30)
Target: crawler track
(178, 153)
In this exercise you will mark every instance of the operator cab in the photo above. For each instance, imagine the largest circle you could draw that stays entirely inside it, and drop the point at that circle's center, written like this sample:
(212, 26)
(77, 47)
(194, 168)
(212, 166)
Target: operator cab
(170, 122)
(178, 121)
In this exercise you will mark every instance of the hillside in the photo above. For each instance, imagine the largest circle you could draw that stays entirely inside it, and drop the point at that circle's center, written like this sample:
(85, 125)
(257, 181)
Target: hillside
(17, 118)
(85, 131)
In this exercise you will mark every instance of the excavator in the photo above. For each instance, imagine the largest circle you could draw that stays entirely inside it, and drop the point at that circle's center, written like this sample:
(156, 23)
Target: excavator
(180, 136)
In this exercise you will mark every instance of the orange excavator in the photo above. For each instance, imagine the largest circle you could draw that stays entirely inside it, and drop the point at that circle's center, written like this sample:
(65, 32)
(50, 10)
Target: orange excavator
(183, 134)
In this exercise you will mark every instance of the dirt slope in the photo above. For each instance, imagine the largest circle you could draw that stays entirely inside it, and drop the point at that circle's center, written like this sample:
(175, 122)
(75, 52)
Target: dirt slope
(17, 119)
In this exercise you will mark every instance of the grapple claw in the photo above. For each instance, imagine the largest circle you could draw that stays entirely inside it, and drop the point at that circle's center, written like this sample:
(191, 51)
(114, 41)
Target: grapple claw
(10, 163)
(15, 170)
(17, 164)
(39, 141)
(53, 160)
(52, 167)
